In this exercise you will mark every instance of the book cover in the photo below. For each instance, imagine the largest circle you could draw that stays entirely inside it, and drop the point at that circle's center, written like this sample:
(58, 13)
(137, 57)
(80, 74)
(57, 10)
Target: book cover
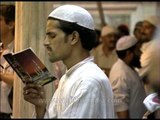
(29, 67)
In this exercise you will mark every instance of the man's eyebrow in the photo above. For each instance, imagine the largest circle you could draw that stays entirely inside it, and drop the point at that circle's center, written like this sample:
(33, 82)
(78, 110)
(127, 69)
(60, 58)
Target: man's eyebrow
(48, 33)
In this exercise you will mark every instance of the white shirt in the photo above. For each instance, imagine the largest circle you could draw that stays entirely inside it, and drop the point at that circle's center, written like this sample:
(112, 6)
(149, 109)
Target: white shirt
(4, 87)
(128, 90)
(148, 49)
(84, 91)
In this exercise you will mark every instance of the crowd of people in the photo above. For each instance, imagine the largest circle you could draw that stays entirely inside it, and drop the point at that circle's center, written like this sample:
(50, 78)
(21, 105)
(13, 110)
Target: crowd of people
(112, 75)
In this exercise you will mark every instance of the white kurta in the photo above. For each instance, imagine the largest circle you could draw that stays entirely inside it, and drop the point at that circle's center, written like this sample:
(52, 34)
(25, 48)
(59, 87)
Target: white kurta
(128, 90)
(84, 91)
(4, 87)
(148, 50)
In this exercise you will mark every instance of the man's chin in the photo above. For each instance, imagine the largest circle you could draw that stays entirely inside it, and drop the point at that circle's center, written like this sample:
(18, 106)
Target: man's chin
(52, 60)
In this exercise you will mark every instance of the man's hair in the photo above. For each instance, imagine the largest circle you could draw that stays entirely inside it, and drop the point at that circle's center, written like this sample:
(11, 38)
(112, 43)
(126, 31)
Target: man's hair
(88, 37)
(123, 29)
(8, 12)
(122, 54)
(138, 24)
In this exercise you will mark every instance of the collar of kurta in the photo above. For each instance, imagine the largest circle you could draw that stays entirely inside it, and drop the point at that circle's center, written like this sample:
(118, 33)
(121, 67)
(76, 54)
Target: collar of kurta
(76, 66)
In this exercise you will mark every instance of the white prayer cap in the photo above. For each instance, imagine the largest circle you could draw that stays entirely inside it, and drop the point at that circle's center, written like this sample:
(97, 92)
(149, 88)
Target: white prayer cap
(125, 42)
(154, 20)
(107, 30)
(74, 14)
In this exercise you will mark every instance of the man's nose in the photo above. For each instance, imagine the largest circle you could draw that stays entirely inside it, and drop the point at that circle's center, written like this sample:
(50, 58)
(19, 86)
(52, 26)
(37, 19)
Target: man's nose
(46, 41)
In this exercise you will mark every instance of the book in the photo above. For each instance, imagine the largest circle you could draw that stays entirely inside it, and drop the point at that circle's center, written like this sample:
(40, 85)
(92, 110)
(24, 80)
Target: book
(29, 67)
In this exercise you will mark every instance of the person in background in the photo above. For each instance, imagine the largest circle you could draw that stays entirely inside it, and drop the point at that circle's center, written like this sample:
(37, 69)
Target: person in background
(148, 49)
(152, 101)
(84, 90)
(137, 30)
(7, 26)
(105, 54)
(127, 87)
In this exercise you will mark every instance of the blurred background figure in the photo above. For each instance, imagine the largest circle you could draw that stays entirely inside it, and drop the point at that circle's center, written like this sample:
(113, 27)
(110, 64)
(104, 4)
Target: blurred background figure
(105, 54)
(7, 26)
(148, 49)
(123, 30)
(152, 101)
(137, 30)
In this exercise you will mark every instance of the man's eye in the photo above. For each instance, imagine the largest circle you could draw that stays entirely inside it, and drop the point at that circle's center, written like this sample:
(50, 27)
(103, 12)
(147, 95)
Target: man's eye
(52, 36)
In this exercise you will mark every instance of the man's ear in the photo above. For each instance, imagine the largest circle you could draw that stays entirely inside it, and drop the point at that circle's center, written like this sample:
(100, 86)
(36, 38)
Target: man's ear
(130, 54)
(74, 37)
(11, 25)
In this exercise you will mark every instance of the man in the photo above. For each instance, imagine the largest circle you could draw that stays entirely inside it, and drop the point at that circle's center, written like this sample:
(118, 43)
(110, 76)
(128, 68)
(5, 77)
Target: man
(126, 84)
(7, 25)
(84, 90)
(148, 49)
(105, 54)
(152, 101)
(137, 30)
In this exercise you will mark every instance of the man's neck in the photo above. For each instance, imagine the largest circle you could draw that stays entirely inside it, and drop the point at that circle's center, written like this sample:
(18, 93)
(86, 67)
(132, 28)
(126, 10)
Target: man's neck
(6, 40)
(106, 50)
(128, 62)
(76, 58)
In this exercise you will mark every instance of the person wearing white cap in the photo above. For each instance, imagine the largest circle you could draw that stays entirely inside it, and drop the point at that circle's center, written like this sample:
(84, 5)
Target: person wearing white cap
(126, 84)
(84, 91)
(148, 31)
(105, 54)
(152, 101)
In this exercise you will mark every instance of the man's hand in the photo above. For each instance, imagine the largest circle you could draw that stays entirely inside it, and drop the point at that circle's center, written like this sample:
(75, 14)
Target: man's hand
(35, 94)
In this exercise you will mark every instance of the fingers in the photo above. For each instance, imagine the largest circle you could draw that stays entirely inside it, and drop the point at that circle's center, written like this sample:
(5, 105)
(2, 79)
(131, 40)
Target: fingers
(32, 85)
(32, 90)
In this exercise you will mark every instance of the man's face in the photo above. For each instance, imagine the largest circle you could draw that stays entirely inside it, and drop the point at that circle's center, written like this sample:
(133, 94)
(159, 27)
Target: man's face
(56, 42)
(147, 31)
(110, 40)
(137, 32)
(136, 57)
(4, 28)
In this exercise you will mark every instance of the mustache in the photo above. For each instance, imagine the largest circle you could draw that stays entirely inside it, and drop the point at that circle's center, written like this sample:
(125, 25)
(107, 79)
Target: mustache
(143, 33)
(48, 48)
